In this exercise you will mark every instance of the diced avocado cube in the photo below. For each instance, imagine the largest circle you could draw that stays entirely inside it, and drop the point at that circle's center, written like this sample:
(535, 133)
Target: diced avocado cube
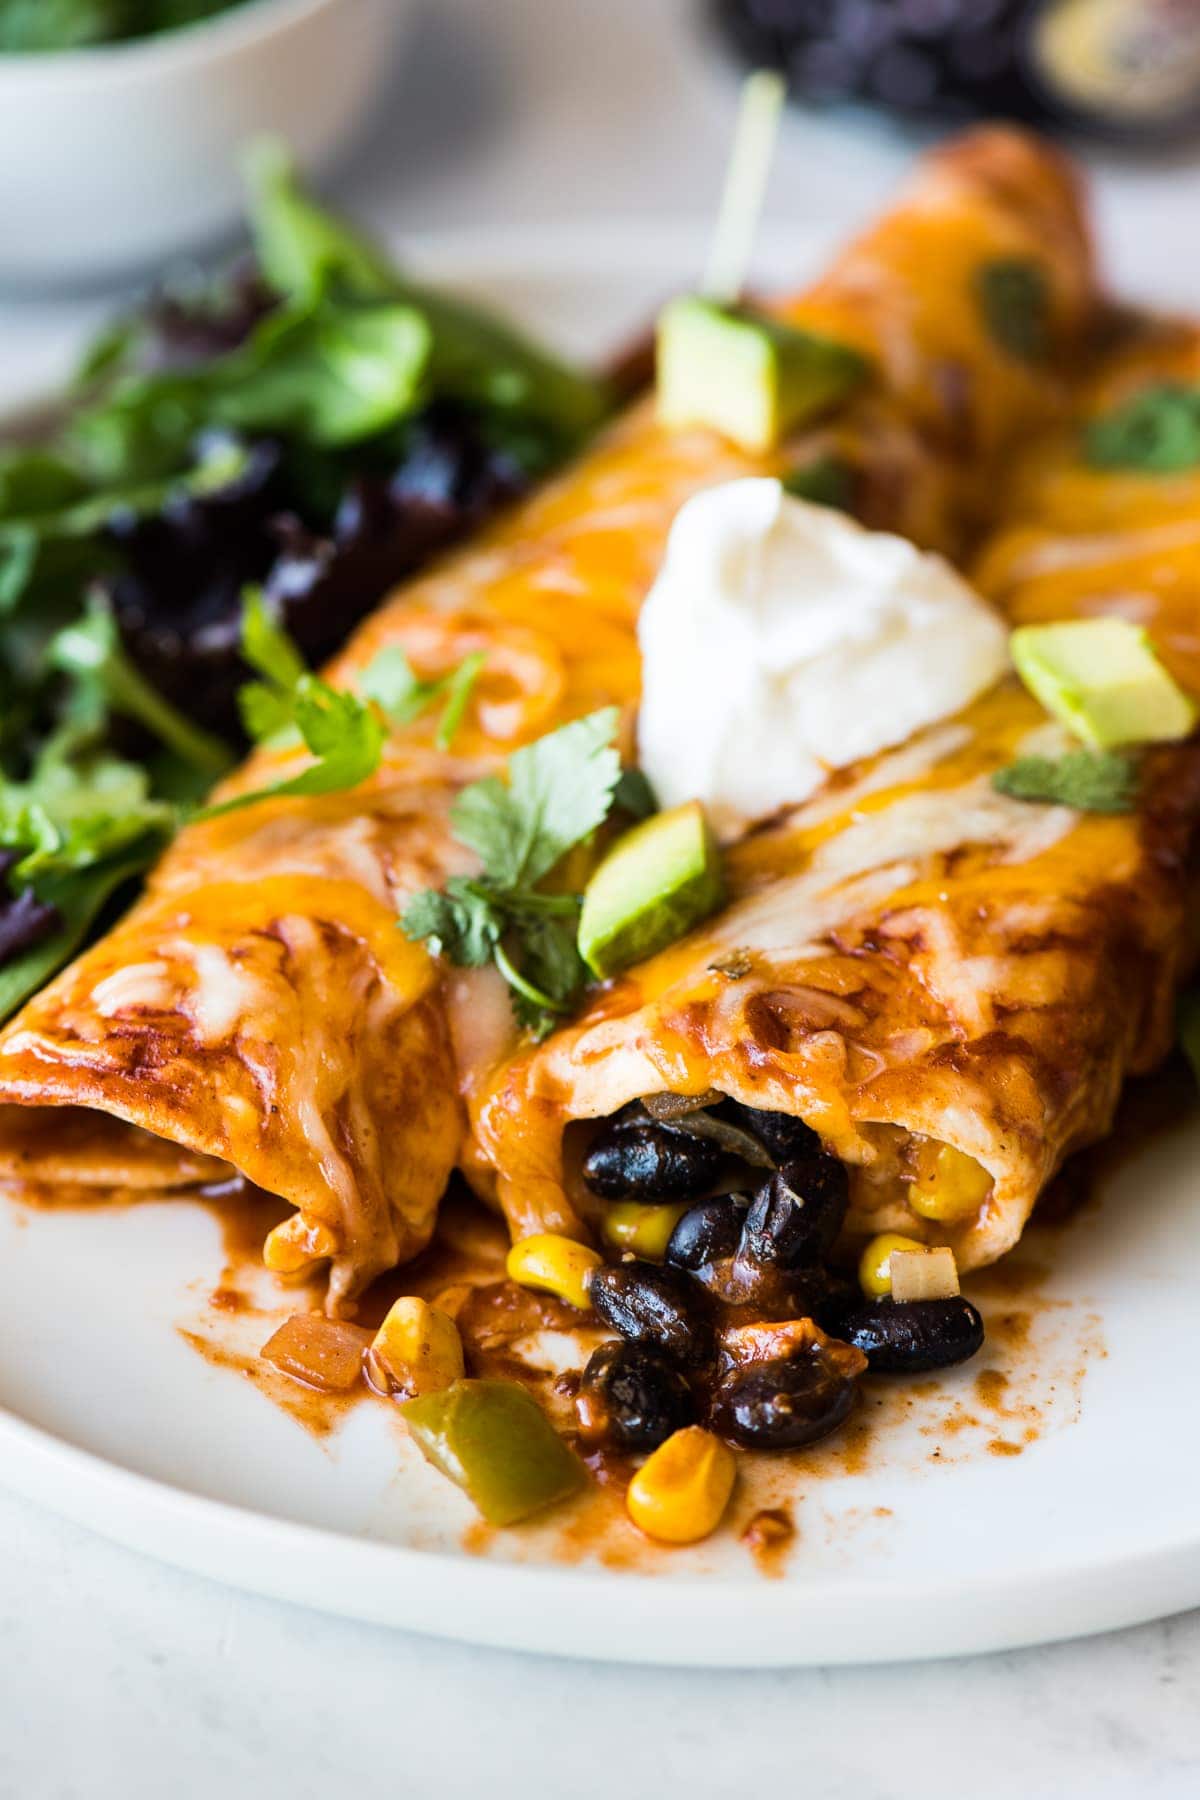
(1103, 680)
(493, 1440)
(656, 882)
(750, 377)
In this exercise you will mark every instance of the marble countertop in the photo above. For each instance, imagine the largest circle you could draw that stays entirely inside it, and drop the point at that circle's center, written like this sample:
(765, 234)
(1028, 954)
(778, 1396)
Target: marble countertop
(123, 1678)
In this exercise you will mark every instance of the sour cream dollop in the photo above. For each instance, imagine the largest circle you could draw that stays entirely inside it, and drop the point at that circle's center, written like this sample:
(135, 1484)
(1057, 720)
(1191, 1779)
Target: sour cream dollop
(781, 640)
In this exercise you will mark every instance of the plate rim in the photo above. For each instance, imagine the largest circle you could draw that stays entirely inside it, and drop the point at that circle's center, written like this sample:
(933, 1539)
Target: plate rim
(802, 1622)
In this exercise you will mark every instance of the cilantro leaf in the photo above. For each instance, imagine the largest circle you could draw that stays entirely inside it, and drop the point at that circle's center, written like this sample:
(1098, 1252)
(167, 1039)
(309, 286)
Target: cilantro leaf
(551, 973)
(266, 712)
(344, 734)
(1098, 781)
(1156, 432)
(390, 680)
(559, 790)
(461, 921)
(458, 687)
(267, 706)
(1014, 296)
(266, 646)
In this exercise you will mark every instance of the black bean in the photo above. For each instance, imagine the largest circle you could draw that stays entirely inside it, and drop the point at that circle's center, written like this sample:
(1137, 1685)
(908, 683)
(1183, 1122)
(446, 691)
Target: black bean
(781, 1405)
(784, 1135)
(653, 1305)
(649, 1161)
(904, 1337)
(632, 1396)
(708, 1232)
(797, 1213)
(841, 1296)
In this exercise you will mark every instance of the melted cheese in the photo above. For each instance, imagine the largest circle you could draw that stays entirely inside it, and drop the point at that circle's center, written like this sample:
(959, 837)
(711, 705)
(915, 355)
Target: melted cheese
(325, 1069)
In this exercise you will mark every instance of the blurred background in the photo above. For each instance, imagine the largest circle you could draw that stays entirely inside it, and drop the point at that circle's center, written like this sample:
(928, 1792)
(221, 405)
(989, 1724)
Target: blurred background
(498, 116)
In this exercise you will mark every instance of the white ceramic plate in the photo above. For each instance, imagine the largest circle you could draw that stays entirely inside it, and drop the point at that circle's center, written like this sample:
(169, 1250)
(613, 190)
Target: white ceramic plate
(1046, 1492)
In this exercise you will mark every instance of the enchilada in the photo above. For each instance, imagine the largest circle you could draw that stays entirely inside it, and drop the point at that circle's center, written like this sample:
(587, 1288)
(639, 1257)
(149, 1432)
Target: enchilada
(260, 1012)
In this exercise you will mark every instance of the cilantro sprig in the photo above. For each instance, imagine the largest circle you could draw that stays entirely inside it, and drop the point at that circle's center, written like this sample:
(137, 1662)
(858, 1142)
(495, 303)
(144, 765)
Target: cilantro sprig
(559, 790)
(344, 733)
(391, 681)
(1097, 781)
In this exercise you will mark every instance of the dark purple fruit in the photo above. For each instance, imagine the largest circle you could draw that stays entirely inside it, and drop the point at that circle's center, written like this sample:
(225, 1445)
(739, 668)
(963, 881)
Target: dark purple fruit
(632, 1396)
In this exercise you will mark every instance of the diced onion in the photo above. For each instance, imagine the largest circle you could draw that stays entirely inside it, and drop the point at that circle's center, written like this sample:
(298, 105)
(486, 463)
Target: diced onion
(698, 1122)
(668, 1107)
(323, 1353)
(924, 1274)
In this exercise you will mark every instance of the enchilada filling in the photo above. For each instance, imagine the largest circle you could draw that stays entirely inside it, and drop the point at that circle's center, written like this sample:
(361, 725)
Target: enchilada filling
(730, 1302)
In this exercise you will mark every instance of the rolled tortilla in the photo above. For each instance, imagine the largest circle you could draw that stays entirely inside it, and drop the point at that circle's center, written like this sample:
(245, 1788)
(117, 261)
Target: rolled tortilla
(259, 1007)
(913, 958)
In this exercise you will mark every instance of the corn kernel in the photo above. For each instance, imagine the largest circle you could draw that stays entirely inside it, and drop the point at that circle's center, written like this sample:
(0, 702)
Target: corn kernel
(681, 1491)
(924, 1274)
(556, 1265)
(298, 1245)
(417, 1350)
(645, 1230)
(948, 1185)
(875, 1263)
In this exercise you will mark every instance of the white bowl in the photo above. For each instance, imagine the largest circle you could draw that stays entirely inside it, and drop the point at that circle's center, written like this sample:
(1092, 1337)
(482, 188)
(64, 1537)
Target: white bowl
(114, 157)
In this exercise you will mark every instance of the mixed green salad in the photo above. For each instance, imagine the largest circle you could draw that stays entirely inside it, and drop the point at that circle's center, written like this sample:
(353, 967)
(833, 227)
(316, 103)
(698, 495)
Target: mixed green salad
(304, 430)
(30, 25)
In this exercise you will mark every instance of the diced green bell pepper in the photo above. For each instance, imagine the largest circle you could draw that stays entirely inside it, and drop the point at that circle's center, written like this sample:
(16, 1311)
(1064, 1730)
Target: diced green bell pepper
(492, 1439)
